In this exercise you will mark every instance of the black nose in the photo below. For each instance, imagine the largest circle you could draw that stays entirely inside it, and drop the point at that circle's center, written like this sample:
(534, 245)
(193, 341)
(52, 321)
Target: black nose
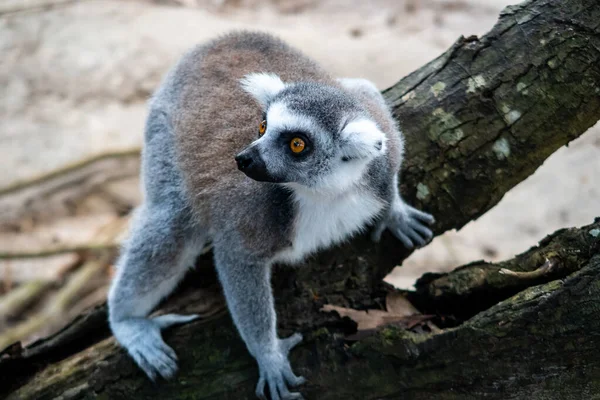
(251, 163)
(243, 161)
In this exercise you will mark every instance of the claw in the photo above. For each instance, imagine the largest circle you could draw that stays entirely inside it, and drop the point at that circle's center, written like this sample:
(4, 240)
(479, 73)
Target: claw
(403, 238)
(273, 390)
(144, 364)
(286, 394)
(423, 216)
(169, 352)
(295, 380)
(422, 230)
(260, 389)
(415, 238)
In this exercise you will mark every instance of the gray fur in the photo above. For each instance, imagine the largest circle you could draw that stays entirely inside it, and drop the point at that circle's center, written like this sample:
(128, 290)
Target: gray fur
(203, 115)
(328, 105)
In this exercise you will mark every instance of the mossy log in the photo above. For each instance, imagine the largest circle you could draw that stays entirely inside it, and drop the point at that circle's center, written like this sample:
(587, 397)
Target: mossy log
(478, 120)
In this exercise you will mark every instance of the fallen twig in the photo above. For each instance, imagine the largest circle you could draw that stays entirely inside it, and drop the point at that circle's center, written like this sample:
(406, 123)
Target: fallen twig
(548, 267)
(58, 250)
(57, 305)
(67, 169)
(20, 298)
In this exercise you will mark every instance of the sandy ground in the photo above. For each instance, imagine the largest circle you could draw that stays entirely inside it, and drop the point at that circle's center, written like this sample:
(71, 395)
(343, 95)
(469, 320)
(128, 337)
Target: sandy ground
(74, 78)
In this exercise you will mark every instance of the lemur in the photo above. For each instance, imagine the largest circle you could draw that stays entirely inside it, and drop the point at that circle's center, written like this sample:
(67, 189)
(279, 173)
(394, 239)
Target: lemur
(251, 145)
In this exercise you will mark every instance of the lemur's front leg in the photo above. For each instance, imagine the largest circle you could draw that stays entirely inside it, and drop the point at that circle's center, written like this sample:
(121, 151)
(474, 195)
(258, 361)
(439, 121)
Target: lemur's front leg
(247, 288)
(409, 225)
(159, 251)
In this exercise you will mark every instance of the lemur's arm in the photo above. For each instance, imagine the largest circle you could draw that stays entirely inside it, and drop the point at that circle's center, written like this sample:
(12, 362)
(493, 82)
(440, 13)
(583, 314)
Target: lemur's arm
(150, 266)
(162, 245)
(247, 288)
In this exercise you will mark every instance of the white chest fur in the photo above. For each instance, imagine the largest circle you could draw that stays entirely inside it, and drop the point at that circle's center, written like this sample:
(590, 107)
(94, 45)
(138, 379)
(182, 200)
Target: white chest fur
(323, 221)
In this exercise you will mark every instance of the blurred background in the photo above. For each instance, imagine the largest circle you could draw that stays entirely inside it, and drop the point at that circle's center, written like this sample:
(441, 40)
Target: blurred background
(74, 79)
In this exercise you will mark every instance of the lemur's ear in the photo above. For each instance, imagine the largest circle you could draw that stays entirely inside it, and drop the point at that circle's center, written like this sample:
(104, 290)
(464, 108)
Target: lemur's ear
(262, 86)
(362, 139)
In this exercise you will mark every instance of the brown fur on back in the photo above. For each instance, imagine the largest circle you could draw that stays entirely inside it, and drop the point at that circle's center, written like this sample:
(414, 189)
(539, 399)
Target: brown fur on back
(214, 119)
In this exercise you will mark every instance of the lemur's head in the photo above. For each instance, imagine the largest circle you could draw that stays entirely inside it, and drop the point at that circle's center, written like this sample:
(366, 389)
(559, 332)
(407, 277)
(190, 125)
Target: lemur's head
(311, 135)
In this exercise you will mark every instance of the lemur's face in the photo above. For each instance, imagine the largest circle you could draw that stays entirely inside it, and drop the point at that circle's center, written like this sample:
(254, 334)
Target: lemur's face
(311, 135)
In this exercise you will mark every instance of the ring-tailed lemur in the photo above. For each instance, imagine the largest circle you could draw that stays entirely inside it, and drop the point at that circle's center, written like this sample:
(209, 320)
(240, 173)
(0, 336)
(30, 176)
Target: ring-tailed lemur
(320, 158)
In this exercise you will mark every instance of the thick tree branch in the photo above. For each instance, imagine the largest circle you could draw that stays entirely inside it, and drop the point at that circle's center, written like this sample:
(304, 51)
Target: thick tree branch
(540, 344)
(478, 120)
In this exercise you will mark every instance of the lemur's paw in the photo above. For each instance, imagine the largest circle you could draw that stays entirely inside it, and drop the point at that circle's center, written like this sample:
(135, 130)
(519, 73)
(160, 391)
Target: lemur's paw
(409, 225)
(412, 227)
(154, 357)
(276, 372)
(143, 341)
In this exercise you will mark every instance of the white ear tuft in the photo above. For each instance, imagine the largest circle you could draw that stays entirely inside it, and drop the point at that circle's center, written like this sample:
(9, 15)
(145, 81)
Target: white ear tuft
(358, 84)
(362, 139)
(262, 86)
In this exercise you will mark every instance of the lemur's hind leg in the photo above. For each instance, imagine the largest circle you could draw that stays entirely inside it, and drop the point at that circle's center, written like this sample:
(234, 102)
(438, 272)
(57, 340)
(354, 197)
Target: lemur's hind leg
(160, 249)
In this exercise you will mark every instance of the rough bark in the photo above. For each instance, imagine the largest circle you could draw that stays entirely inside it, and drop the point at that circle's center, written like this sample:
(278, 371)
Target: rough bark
(478, 120)
(540, 344)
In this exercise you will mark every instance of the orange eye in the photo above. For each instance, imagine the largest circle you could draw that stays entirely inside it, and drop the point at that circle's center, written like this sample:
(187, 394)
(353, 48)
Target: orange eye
(297, 145)
(262, 128)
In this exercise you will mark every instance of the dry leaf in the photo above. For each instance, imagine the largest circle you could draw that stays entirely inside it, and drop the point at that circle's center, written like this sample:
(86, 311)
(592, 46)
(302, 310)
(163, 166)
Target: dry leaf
(398, 310)
(397, 304)
(365, 320)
